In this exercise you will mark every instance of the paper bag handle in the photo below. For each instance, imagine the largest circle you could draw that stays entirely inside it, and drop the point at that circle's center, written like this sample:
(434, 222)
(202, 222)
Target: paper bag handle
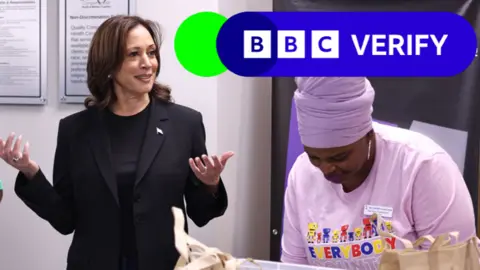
(197, 255)
(423, 239)
(436, 243)
(444, 239)
(181, 243)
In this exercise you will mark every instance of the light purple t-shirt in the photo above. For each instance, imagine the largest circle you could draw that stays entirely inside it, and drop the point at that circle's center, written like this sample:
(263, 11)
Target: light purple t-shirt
(414, 184)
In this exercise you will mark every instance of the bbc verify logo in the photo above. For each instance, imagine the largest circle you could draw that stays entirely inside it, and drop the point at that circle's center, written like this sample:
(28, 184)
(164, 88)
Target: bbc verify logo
(346, 44)
(326, 44)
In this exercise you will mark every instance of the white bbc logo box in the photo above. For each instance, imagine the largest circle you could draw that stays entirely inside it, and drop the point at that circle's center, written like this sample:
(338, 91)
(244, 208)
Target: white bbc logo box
(257, 44)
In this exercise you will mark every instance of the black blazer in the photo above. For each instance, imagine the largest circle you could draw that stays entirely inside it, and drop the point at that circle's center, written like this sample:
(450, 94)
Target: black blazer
(84, 197)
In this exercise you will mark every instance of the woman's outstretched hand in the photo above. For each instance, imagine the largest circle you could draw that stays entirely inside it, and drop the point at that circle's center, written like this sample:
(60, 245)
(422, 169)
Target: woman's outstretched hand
(210, 169)
(11, 152)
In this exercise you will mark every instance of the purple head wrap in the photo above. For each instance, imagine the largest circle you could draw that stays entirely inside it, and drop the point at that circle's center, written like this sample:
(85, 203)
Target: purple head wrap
(333, 111)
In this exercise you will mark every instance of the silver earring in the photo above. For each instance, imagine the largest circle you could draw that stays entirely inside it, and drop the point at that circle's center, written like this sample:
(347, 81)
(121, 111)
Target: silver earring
(109, 76)
(369, 148)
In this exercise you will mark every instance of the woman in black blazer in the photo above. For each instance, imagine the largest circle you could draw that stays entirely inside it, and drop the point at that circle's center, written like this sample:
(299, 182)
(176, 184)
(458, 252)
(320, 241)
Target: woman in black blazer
(121, 164)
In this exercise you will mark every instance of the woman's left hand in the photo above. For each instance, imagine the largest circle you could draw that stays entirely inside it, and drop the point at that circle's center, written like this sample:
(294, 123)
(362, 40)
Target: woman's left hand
(210, 169)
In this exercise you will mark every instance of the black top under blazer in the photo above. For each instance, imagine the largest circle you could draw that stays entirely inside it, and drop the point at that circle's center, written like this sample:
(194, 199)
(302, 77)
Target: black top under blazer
(84, 198)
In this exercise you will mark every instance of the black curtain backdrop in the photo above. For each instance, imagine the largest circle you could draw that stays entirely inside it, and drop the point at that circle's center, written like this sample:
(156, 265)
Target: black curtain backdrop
(447, 102)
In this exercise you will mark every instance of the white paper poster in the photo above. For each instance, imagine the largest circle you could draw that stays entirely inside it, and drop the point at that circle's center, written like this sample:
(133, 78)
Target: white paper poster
(79, 20)
(23, 52)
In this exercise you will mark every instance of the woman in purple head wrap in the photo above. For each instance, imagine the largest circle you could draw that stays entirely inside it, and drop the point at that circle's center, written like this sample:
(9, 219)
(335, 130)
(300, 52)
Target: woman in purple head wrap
(334, 118)
(353, 170)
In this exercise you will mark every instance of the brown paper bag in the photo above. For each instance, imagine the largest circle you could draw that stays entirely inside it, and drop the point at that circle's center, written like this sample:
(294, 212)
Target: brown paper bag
(197, 256)
(441, 255)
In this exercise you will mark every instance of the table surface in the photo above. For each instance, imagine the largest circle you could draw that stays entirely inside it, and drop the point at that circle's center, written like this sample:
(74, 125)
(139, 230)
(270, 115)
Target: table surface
(267, 265)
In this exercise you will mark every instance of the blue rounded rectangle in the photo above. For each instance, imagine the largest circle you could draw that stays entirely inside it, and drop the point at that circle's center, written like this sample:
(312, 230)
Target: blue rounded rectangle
(346, 44)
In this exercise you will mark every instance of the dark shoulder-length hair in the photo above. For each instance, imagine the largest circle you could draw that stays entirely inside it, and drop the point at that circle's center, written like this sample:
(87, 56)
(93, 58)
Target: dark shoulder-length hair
(106, 55)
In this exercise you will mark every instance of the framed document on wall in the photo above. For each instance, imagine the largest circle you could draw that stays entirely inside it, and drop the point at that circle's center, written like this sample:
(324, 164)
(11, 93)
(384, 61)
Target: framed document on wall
(23, 52)
(79, 20)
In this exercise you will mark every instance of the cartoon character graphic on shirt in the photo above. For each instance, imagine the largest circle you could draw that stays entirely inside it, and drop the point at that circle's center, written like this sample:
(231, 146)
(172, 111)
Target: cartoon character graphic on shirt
(335, 236)
(374, 225)
(347, 246)
(312, 231)
(367, 229)
(326, 235)
(358, 234)
(389, 226)
(386, 226)
(351, 236)
(344, 233)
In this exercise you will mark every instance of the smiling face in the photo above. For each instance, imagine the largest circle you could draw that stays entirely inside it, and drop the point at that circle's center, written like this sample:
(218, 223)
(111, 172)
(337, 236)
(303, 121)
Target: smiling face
(137, 72)
(341, 165)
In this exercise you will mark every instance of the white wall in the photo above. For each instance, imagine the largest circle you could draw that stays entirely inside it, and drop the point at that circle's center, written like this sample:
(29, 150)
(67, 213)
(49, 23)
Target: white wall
(237, 117)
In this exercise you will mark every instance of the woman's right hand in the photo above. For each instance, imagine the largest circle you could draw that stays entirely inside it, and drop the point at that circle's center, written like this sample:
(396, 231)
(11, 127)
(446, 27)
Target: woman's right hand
(10, 151)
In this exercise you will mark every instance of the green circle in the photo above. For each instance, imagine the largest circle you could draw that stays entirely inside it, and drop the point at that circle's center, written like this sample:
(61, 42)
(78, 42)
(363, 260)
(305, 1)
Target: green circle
(196, 44)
